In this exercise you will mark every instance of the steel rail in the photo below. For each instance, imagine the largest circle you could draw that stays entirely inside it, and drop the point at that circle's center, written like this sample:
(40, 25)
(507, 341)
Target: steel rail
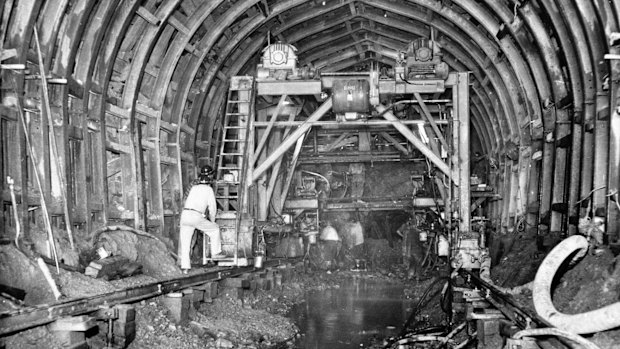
(504, 303)
(21, 319)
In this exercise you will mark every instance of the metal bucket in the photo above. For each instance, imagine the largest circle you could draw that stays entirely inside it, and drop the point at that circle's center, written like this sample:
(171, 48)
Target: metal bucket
(258, 261)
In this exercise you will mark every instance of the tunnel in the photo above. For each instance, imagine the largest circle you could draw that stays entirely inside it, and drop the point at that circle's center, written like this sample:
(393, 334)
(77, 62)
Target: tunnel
(467, 150)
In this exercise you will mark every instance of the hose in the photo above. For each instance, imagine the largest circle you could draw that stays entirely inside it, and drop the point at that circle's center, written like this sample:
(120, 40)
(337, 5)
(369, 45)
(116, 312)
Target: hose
(602, 319)
(485, 275)
(416, 339)
(551, 331)
(320, 176)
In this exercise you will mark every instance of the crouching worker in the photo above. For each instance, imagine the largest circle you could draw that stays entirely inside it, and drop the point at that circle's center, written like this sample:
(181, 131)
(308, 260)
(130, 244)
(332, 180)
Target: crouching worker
(199, 205)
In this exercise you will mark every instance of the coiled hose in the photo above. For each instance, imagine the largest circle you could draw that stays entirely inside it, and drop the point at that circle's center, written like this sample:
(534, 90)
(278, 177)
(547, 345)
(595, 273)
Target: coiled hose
(602, 319)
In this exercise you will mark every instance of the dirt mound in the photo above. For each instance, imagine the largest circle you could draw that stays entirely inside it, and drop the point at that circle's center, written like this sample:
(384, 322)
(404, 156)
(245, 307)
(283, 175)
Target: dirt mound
(17, 270)
(151, 253)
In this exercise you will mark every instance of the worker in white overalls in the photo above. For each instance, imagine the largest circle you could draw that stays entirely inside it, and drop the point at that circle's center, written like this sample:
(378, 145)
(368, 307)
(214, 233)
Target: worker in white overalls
(199, 205)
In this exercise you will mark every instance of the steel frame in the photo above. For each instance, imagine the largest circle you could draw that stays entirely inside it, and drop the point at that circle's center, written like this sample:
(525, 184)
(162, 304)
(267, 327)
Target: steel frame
(458, 169)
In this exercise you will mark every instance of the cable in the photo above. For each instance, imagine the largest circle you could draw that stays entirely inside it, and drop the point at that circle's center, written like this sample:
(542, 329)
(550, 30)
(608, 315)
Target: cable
(418, 306)
(552, 331)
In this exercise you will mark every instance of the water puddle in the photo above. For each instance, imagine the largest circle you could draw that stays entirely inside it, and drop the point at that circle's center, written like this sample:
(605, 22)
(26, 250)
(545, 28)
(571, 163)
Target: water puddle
(350, 316)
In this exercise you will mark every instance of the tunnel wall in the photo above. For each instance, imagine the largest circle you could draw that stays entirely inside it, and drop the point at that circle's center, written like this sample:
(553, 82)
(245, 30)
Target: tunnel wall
(136, 88)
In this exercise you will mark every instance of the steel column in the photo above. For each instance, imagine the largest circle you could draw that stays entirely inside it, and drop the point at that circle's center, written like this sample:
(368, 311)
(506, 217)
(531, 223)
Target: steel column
(460, 94)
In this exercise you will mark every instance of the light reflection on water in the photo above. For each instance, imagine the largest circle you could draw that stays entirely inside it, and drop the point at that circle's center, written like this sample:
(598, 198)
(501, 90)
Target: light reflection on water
(349, 316)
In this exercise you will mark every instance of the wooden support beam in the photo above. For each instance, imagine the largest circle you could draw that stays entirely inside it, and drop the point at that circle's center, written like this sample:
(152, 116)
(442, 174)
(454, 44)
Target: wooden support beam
(288, 142)
(147, 16)
(13, 66)
(176, 23)
(291, 170)
(338, 124)
(117, 111)
(429, 117)
(405, 131)
(337, 142)
(276, 169)
(146, 110)
(117, 147)
(478, 202)
(148, 144)
(7, 53)
(167, 160)
(188, 129)
(168, 126)
(263, 140)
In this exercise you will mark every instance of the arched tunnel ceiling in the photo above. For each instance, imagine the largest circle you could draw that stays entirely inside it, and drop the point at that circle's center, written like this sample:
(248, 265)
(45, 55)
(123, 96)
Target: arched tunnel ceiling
(537, 65)
(522, 54)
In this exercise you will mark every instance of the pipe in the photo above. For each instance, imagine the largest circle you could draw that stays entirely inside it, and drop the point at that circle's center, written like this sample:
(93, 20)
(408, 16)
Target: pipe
(602, 319)
(10, 181)
(556, 332)
(48, 277)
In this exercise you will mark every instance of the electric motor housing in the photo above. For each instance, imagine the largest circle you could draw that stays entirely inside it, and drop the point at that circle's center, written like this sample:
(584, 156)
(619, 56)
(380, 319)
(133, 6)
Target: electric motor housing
(350, 96)
(279, 56)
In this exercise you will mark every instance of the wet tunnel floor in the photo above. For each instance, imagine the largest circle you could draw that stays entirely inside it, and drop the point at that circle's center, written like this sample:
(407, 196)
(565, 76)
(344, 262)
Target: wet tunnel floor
(350, 316)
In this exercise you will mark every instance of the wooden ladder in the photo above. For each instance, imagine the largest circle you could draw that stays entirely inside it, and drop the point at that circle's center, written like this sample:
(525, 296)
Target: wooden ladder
(232, 162)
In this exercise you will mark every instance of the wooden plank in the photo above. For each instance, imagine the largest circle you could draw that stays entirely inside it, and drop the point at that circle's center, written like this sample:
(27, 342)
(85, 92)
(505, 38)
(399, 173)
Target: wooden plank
(117, 111)
(147, 16)
(117, 147)
(188, 129)
(7, 53)
(148, 144)
(167, 160)
(168, 126)
(146, 110)
(176, 23)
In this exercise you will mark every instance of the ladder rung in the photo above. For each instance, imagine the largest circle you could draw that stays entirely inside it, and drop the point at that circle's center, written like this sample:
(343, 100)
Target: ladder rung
(236, 114)
(230, 140)
(226, 197)
(239, 101)
(230, 168)
(235, 127)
